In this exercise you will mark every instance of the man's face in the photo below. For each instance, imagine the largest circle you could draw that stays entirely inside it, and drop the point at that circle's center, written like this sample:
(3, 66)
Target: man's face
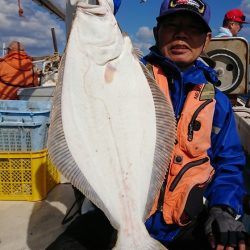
(235, 28)
(182, 38)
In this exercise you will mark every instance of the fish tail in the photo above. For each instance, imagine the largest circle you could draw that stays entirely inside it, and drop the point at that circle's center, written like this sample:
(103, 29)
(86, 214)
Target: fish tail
(152, 244)
(146, 243)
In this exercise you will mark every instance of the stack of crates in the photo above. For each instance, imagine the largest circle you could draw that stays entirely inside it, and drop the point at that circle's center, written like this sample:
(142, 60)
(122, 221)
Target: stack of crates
(26, 172)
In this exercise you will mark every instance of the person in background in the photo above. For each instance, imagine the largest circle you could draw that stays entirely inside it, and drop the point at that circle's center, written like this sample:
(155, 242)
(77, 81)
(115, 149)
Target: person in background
(232, 23)
(16, 71)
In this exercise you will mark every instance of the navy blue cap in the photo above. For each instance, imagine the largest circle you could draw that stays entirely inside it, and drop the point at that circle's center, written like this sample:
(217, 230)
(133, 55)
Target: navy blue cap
(198, 7)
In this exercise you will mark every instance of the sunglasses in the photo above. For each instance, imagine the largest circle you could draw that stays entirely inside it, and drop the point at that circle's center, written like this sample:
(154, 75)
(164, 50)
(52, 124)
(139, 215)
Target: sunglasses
(239, 24)
(243, 18)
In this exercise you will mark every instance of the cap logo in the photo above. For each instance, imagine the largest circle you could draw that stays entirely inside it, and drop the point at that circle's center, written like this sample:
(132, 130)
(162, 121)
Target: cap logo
(196, 5)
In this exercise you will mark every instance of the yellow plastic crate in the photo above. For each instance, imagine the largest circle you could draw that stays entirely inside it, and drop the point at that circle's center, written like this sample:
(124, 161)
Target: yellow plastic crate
(26, 176)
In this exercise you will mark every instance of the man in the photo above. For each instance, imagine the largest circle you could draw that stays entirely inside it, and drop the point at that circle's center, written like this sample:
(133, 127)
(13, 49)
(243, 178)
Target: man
(16, 70)
(207, 159)
(206, 130)
(232, 23)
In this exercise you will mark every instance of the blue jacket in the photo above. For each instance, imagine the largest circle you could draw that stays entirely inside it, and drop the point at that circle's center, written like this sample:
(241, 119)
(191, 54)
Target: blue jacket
(226, 153)
(117, 4)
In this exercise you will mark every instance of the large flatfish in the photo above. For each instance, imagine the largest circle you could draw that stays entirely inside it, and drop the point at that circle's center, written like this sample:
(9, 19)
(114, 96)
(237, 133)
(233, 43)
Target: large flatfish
(112, 130)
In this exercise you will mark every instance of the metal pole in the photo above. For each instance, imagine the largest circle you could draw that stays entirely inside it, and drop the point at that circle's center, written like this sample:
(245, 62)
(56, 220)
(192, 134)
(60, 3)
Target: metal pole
(247, 105)
(4, 49)
(54, 40)
(52, 7)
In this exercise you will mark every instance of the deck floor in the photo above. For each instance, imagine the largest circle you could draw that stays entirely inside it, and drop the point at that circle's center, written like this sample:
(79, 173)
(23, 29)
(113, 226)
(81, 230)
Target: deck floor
(34, 225)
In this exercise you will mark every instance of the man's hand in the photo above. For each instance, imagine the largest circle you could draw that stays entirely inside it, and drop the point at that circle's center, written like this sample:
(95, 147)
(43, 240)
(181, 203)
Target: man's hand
(223, 231)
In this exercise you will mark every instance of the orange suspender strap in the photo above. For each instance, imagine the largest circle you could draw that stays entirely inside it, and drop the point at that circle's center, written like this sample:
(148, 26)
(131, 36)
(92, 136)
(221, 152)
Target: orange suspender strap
(162, 81)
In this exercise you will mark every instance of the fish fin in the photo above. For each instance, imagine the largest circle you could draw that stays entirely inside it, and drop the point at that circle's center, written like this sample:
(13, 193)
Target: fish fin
(60, 153)
(124, 33)
(165, 138)
(137, 53)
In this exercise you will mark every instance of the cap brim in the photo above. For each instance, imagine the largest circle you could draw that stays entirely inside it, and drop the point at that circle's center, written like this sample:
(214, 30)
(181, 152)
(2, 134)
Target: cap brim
(237, 21)
(173, 11)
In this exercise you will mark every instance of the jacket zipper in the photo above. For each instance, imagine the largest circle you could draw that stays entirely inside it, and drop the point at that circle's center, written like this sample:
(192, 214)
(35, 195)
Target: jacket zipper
(164, 184)
(184, 170)
(178, 106)
(191, 124)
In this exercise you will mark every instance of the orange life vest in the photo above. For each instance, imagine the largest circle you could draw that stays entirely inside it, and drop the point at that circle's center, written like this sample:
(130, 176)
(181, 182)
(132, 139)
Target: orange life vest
(16, 70)
(190, 170)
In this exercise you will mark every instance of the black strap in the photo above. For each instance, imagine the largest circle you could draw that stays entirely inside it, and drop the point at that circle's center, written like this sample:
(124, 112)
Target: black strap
(16, 85)
(68, 218)
(162, 193)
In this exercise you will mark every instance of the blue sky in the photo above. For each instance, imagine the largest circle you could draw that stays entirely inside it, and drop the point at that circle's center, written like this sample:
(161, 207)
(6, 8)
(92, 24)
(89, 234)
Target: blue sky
(137, 19)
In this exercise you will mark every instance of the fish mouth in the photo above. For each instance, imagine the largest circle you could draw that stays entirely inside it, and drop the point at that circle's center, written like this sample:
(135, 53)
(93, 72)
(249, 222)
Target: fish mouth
(92, 7)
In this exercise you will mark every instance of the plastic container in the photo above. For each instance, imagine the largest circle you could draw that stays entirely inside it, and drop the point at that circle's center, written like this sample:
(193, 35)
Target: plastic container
(36, 93)
(24, 125)
(26, 176)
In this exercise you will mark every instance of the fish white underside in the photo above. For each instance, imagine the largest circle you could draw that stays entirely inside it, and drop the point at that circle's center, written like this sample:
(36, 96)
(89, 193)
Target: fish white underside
(71, 9)
(106, 119)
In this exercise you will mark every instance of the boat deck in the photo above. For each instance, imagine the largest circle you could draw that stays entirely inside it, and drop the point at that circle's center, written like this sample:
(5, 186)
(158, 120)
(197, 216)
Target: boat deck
(29, 225)
(34, 225)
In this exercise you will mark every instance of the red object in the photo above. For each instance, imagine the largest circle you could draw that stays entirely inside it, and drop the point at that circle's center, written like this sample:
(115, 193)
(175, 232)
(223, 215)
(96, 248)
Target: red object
(20, 9)
(236, 15)
(182, 1)
(20, 12)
